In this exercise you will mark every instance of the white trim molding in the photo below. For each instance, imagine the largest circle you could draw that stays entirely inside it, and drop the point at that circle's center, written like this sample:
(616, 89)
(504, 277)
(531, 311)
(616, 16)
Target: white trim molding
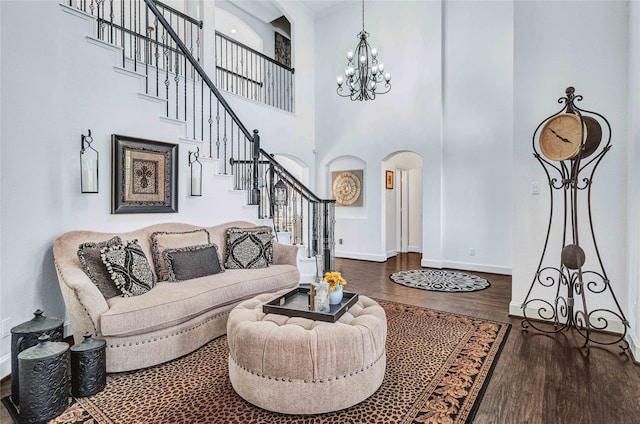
(466, 266)
(5, 365)
(361, 256)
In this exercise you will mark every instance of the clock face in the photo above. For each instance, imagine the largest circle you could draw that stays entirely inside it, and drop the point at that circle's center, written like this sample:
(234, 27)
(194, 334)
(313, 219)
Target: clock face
(561, 137)
(347, 188)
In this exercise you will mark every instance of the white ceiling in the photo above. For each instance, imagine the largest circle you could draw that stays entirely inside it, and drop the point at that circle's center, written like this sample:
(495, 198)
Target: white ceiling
(319, 7)
(267, 11)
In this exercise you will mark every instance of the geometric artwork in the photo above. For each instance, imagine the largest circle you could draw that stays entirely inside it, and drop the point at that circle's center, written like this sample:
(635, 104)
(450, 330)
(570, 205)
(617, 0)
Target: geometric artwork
(347, 187)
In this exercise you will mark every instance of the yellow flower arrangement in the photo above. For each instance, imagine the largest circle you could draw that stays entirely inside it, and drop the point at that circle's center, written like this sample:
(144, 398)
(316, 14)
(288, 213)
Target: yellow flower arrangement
(334, 279)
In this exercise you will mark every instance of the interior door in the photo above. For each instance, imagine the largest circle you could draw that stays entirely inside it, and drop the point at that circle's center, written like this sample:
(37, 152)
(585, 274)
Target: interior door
(402, 210)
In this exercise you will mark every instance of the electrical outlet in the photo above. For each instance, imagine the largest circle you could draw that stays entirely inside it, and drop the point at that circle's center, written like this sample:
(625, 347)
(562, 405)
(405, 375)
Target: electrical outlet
(339, 241)
(535, 187)
(472, 251)
(6, 331)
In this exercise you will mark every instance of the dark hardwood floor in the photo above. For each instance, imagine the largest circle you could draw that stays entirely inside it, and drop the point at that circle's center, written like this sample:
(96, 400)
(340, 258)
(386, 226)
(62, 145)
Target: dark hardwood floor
(539, 379)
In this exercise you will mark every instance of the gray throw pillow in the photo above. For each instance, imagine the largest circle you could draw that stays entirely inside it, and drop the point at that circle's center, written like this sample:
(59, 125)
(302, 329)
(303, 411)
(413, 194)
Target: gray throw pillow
(192, 262)
(129, 268)
(162, 240)
(90, 257)
(249, 248)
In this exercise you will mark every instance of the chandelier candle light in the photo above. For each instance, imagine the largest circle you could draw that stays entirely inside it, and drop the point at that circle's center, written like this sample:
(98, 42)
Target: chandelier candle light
(364, 79)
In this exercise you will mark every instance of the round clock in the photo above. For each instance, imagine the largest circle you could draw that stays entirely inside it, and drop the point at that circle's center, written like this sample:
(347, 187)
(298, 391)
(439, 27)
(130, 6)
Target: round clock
(560, 138)
(347, 188)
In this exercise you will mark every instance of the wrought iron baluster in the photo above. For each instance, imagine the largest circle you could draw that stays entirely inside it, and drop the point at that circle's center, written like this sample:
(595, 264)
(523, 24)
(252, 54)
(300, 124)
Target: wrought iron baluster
(210, 128)
(167, 58)
(157, 55)
(224, 141)
(218, 129)
(124, 63)
(146, 51)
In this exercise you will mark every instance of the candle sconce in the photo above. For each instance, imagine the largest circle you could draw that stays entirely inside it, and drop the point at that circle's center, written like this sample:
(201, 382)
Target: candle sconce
(88, 165)
(196, 173)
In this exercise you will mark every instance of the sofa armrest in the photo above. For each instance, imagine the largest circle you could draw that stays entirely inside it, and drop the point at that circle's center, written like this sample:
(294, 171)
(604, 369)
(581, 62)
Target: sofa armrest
(285, 254)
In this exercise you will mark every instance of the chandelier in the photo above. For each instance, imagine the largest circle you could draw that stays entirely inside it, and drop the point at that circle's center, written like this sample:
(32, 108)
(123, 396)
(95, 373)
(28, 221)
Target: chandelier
(364, 74)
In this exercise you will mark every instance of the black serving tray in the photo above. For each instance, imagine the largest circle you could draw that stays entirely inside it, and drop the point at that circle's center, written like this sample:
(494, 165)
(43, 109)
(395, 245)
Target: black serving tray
(296, 304)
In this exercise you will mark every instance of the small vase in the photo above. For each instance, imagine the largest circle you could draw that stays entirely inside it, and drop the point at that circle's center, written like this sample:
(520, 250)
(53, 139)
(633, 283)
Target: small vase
(335, 297)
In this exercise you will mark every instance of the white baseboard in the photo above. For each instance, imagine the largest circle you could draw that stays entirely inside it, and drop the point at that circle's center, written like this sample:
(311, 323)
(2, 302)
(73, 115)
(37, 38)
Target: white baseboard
(391, 253)
(361, 256)
(615, 325)
(466, 266)
(414, 249)
(5, 365)
(634, 346)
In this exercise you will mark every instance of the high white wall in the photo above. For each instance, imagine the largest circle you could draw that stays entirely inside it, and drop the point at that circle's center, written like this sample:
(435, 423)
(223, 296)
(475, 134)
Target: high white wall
(56, 85)
(478, 129)
(459, 121)
(585, 45)
(408, 37)
(633, 194)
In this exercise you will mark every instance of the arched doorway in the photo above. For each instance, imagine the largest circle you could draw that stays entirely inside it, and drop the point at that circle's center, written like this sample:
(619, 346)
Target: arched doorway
(402, 202)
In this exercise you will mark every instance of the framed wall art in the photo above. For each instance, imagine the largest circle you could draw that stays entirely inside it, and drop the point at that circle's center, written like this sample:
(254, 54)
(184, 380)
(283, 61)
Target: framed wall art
(282, 50)
(144, 175)
(347, 187)
(389, 180)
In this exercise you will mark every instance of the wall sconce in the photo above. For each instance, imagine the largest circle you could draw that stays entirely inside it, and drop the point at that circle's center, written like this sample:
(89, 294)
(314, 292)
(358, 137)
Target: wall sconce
(88, 165)
(196, 173)
(280, 195)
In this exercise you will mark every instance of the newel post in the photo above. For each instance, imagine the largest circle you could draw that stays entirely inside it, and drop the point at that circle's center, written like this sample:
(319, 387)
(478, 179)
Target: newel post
(255, 191)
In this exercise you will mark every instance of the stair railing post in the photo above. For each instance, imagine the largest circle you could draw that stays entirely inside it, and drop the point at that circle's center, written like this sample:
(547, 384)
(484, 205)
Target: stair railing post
(255, 190)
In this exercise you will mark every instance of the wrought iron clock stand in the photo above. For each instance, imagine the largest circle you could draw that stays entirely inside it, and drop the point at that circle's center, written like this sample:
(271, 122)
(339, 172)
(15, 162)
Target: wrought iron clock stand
(567, 277)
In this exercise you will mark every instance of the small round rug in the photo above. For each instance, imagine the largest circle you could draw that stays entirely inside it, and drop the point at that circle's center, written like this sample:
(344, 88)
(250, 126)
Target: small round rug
(440, 280)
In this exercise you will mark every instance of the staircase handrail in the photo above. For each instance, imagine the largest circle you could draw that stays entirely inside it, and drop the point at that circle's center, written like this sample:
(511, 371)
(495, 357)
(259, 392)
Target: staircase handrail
(257, 53)
(180, 14)
(304, 190)
(185, 51)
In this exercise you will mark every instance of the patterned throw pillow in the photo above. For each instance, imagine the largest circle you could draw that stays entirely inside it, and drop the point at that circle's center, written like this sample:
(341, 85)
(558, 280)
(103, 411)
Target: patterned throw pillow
(192, 262)
(129, 268)
(161, 241)
(91, 261)
(249, 247)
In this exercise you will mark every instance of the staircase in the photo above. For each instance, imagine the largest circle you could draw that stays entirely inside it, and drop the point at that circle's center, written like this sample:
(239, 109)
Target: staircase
(161, 46)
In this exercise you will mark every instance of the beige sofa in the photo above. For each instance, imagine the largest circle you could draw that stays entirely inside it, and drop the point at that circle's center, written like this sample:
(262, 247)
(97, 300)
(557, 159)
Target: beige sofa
(172, 319)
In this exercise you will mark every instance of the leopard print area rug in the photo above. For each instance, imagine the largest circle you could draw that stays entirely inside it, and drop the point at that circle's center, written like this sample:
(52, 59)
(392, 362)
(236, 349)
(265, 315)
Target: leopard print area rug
(438, 365)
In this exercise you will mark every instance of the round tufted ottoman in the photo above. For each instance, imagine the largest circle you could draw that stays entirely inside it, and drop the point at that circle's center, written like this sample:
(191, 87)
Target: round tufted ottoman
(301, 366)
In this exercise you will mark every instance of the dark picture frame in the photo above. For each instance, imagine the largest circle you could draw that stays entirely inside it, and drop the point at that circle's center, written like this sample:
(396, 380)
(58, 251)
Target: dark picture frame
(144, 175)
(389, 180)
(282, 48)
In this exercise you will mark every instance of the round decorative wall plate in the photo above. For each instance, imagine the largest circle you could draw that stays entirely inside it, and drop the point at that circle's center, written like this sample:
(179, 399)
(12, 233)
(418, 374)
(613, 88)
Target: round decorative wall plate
(347, 188)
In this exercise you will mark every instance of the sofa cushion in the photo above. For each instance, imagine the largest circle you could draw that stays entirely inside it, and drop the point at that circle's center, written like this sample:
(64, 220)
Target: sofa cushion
(90, 257)
(190, 262)
(129, 268)
(161, 241)
(170, 304)
(249, 248)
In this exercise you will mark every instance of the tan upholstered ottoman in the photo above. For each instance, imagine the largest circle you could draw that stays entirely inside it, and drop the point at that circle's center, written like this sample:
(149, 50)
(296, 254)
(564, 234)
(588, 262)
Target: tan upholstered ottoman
(301, 366)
